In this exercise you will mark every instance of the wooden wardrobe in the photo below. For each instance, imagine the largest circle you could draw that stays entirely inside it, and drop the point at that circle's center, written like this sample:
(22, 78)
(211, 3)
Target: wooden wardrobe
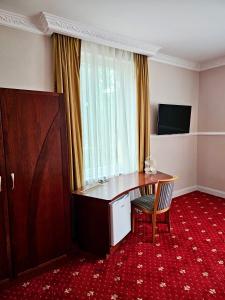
(34, 183)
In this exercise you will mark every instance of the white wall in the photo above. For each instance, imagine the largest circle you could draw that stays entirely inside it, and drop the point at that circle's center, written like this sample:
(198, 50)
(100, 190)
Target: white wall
(175, 154)
(25, 60)
(211, 149)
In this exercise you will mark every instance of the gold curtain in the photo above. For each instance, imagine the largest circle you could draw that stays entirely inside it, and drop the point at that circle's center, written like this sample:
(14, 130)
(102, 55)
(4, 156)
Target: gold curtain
(66, 54)
(143, 109)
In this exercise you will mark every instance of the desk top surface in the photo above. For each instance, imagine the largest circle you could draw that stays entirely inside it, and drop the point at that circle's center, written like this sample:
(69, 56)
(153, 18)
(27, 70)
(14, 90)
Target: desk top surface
(119, 185)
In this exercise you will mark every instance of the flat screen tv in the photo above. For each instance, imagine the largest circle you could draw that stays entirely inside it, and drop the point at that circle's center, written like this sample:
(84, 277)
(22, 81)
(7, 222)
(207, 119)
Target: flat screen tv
(174, 119)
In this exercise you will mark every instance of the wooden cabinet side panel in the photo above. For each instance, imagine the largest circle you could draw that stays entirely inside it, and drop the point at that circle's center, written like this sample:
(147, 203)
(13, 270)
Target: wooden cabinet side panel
(92, 224)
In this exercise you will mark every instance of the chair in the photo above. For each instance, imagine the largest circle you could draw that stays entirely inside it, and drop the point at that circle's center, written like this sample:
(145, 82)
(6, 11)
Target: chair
(155, 204)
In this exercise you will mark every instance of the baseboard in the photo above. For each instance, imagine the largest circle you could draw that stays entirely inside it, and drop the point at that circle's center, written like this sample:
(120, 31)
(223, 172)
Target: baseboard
(199, 188)
(184, 191)
(211, 191)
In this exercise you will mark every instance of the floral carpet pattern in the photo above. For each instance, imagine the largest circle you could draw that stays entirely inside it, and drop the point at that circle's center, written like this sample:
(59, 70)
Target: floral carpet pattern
(188, 263)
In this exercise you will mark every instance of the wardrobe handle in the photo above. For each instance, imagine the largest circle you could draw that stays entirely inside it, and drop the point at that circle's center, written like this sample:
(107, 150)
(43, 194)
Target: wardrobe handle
(13, 179)
(0, 184)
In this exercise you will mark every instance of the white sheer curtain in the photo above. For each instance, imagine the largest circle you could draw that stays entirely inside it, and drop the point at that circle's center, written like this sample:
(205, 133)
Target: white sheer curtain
(108, 107)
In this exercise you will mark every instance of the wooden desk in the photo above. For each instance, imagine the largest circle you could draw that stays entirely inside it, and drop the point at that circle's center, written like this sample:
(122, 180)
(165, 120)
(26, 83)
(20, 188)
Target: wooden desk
(91, 209)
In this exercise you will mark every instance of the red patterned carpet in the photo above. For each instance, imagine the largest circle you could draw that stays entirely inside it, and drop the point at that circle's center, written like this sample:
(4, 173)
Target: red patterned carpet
(189, 263)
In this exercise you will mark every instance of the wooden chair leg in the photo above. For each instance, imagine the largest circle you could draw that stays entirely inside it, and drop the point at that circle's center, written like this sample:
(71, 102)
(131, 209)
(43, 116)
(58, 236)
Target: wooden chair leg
(153, 227)
(132, 219)
(167, 215)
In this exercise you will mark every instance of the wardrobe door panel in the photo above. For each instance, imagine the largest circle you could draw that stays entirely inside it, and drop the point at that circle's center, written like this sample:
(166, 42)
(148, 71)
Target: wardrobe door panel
(38, 186)
(4, 229)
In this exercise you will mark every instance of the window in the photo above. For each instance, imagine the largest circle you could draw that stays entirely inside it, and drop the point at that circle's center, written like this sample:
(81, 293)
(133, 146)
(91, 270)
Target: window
(108, 108)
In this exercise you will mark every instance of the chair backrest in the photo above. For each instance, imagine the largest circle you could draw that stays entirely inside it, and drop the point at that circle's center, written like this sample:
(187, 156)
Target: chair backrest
(164, 194)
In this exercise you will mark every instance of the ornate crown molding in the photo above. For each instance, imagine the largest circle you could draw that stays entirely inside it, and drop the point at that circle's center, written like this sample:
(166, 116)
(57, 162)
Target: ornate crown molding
(51, 23)
(46, 23)
(19, 21)
(176, 61)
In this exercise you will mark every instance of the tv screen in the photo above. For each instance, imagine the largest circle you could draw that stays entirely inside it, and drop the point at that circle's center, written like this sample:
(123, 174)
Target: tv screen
(173, 119)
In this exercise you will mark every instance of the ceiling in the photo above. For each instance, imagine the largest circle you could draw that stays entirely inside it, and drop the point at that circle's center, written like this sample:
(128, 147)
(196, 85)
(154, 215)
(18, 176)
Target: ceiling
(189, 29)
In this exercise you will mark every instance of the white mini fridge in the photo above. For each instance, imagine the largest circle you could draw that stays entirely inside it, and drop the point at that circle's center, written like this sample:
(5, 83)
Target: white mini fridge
(120, 217)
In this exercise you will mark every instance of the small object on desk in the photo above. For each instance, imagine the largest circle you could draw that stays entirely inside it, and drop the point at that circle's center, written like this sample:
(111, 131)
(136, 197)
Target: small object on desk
(90, 186)
(150, 166)
(94, 184)
(103, 180)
